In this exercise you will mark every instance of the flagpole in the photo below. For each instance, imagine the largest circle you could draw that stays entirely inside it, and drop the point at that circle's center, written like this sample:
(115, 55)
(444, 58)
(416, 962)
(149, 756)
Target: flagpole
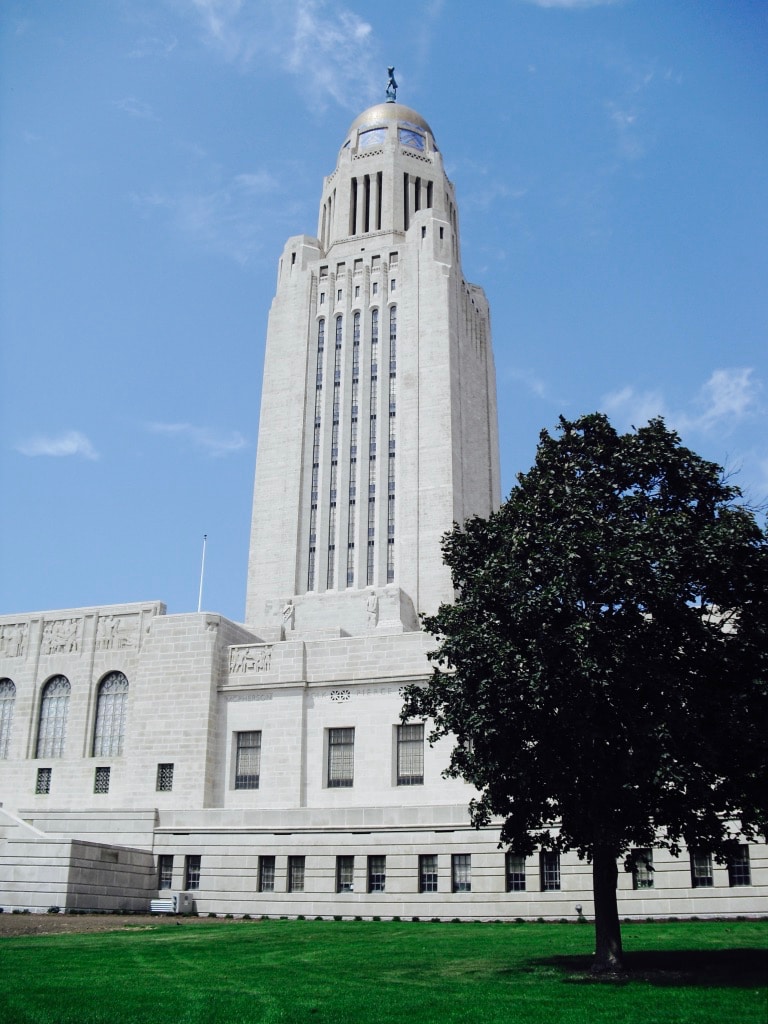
(202, 572)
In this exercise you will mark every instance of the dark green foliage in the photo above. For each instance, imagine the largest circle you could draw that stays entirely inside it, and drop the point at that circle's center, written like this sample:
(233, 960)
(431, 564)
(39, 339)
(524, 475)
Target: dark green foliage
(604, 666)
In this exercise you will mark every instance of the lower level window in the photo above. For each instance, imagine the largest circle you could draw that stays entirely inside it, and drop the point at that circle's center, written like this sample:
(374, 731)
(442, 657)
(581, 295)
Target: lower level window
(341, 757)
(461, 872)
(738, 867)
(345, 874)
(164, 783)
(642, 868)
(248, 760)
(101, 780)
(515, 872)
(701, 869)
(266, 874)
(43, 783)
(192, 871)
(377, 874)
(428, 872)
(295, 874)
(549, 867)
(165, 871)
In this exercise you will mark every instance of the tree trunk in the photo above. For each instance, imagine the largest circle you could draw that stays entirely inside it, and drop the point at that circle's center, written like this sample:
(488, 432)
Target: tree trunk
(605, 874)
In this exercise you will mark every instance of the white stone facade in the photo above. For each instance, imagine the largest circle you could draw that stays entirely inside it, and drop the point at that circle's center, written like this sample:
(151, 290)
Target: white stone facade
(263, 767)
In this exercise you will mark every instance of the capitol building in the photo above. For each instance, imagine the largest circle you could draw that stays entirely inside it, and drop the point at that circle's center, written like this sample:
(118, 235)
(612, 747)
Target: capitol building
(262, 767)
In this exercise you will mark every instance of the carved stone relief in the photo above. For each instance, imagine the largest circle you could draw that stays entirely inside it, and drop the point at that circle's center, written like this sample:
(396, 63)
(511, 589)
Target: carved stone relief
(254, 658)
(13, 639)
(61, 636)
(116, 632)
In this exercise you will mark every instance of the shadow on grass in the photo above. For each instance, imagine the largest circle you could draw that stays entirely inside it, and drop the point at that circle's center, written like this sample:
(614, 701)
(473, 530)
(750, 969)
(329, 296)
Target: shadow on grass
(715, 968)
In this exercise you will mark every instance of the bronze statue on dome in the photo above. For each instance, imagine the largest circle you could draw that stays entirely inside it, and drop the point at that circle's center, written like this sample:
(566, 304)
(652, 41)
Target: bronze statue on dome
(391, 86)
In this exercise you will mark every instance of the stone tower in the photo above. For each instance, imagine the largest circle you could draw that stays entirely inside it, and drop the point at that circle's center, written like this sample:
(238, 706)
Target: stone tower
(378, 423)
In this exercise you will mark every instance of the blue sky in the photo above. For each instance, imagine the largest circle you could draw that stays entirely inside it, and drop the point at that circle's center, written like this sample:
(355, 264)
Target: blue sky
(610, 163)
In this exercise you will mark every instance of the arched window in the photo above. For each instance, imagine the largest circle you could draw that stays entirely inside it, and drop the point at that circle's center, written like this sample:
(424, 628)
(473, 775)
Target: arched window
(7, 699)
(110, 716)
(52, 730)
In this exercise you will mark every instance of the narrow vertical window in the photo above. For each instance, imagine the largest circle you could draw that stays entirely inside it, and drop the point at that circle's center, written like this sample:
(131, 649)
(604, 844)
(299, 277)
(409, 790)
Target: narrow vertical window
(101, 780)
(410, 755)
(549, 869)
(739, 872)
(52, 730)
(248, 760)
(43, 782)
(461, 872)
(341, 757)
(164, 781)
(515, 872)
(109, 731)
(192, 866)
(642, 868)
(428, 872)
(295, 874)
(7, 701)
(702, 876)
(266, 874)
(377, 874)
(165, 871)
(345, 874)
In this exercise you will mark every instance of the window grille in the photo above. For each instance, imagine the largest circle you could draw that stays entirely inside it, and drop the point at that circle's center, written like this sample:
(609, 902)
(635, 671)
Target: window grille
(43, 783)
(642, 868)
(101, 780)
(701, 869)
(248, 760)
(165, 871)
(52, 729)
(192, 872)
(390, 559)
(461, 872)
(515, 868)
(109, 731)
(377, 874)
(370, 563)
(428, 872)
(549, 868)
(739, 872)
(164, 783)
(295, 874)
(311, 569)
(410, 755)
(266, 874)
(7, 700)
(345, 874)
(341, 757)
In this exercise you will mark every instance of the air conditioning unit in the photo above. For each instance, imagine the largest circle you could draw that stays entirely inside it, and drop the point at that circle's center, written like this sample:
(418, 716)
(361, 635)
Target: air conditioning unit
(184, 901)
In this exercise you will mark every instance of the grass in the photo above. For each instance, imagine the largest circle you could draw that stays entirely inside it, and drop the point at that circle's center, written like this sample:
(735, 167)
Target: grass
(350, 972)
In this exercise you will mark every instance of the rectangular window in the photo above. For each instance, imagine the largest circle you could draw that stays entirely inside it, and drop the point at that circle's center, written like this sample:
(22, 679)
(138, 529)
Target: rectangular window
(43, 784)
(515, 866)
(701, 869)
(375, 288)
(164, 782)
(248, 760)
(393, 284)
(345, 874)
(341, 757)
(549, 869)
(428, 872)
(377, 874)
(192, 872)
(461, 872)
(295, 874)
(101, 780)
(165, 871)
(738, 867)
(642, 868)
(410, 755)
(266, 874)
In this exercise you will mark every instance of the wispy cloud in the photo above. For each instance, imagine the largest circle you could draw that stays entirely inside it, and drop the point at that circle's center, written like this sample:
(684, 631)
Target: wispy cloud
(573, 3)
(730, 396)
(204, 439)
(136, 108)
(226, 219)
(153, 46)
(326, 46)
(72, 442)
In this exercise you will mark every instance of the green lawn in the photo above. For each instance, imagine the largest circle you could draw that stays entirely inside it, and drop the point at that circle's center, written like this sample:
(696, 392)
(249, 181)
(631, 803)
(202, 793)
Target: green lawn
(353, 972)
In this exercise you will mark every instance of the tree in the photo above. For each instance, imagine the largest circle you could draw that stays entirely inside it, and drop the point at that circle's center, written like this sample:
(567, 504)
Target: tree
(603, 668)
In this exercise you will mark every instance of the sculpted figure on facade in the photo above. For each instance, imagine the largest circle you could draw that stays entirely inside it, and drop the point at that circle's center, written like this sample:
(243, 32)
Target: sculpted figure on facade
(250, 659)
(372, 609)
(13, 639)
(61, 637)
(391, 86)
